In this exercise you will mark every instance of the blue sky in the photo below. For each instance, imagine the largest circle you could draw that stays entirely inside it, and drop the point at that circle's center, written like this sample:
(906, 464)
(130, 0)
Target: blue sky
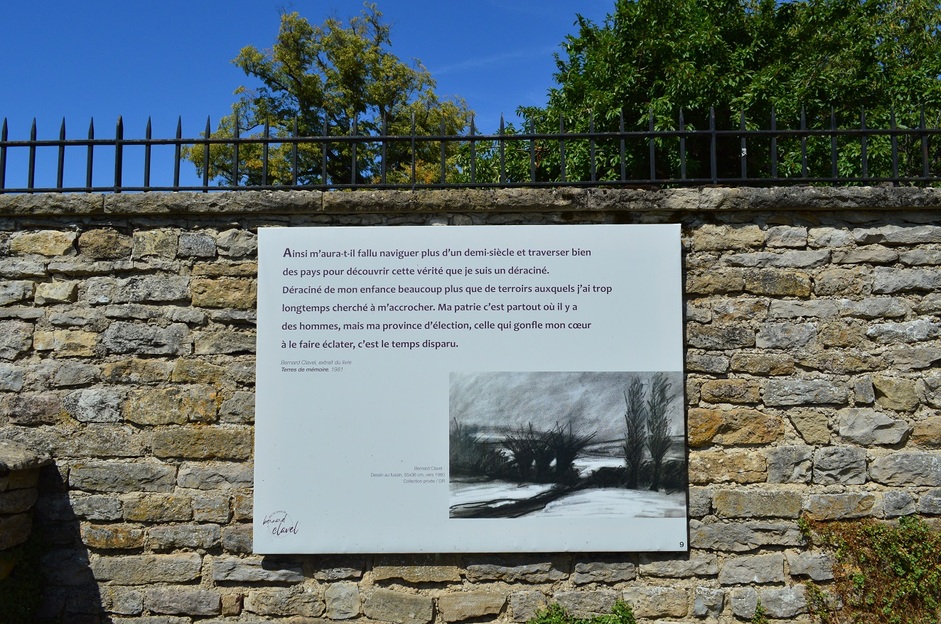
(170, 58)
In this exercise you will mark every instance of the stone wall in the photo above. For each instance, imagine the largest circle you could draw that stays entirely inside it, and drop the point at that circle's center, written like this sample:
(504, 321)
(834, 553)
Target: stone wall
(813, 329)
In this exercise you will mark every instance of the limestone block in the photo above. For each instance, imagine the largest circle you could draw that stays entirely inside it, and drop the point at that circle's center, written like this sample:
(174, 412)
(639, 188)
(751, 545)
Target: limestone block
(795, 259)
(840, 464)
(197, 371)
(846, 282)
(239, 408)
(160, 242)
(719, 337)
(736, 391)
(929, 503)
(757, 504)
(469, 605)
(104, 243)
(812, 425)
(135, 338)
(731, 427)
(778, 282)
(298, 601)
(428, 572)
(739, 536)
(708, 602)
(786, 236)
(96, 507)
(147, 569)
(236, 243)
(784, 602)
(888, 280)
(786, 392)
(56, 292)
(909, 331)
(203, 442)
(122, 476)
(721, 237)
(15, 291)
(906, 469)
(212, 507)
(927, 433)
(900, 235)
(99, 405)
(158, 508)
(897, 503)
(814, 308)
(32, 408)
(183, 536)
(136, 371)
(839, 506)
(897, 393)
(173, 405)
(152, 289)
(16, 337)
(183, 601)
(603, 571)
(840, 334)
(816, 565)
(255, 569)
(224, 342)
(525, 605)
(828, 237)
(215, 475)
(237, 539)
(657, 602)
(706, 363)
(544, 572)
(196, 245)
(45, 243)
(399, 608)
(753, 569)
(19, 268)
(691, 565)
(224, 292)
(715, 282)
(343, 601)
(790, 464)
(737, 466)
(122, 600)
(113, 536)
(66, 342)
(11, 377)
(103, 440)
(762, 363)
(876, 308)
(785, 335)
(867, 427)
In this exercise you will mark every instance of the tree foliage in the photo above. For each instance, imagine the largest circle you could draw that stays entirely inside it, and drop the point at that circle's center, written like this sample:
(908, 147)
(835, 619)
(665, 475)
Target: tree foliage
(650, 59)
(332, 79)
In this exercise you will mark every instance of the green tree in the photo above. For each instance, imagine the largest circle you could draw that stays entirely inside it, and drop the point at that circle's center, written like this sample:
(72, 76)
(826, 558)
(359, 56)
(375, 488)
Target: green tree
(650, 59)
(337, 79)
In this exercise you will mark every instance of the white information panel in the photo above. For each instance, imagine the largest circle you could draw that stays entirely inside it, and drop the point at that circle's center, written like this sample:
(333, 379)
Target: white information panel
(470, 389)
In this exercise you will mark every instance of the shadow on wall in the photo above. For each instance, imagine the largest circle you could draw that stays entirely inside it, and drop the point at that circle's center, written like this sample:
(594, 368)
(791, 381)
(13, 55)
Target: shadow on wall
(69, 591)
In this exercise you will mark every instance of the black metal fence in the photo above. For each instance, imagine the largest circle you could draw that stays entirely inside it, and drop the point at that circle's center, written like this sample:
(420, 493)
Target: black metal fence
(708, 152)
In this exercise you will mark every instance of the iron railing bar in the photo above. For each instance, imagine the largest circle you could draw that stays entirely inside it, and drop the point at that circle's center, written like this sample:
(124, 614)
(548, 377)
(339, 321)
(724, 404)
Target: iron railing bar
(774, 145)
(31, 173)
(206, 146)
(532, 152)
(60, 163)
(895, 146)
(682, 135)
(147, 148)
(264, 156)
(473, 153)
(651, 146)
(118, 154)
(713, 139)
(834, 155)
(3, 154)
(502, 153)
(924, 144)
(743, 157)
(384, 156)
(863, 143)
(443, 162)
(591, 144)
(562, 137)
(803, 142)
(90, 156)
(176, 152)
(235, 148)
(294, 154)
(622, 146)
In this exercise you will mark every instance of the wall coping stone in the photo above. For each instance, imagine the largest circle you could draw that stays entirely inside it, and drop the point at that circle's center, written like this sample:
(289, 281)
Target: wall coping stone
(709, 199)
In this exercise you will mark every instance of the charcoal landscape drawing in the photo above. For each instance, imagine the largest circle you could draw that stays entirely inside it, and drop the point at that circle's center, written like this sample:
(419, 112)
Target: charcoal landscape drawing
(566, 444)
